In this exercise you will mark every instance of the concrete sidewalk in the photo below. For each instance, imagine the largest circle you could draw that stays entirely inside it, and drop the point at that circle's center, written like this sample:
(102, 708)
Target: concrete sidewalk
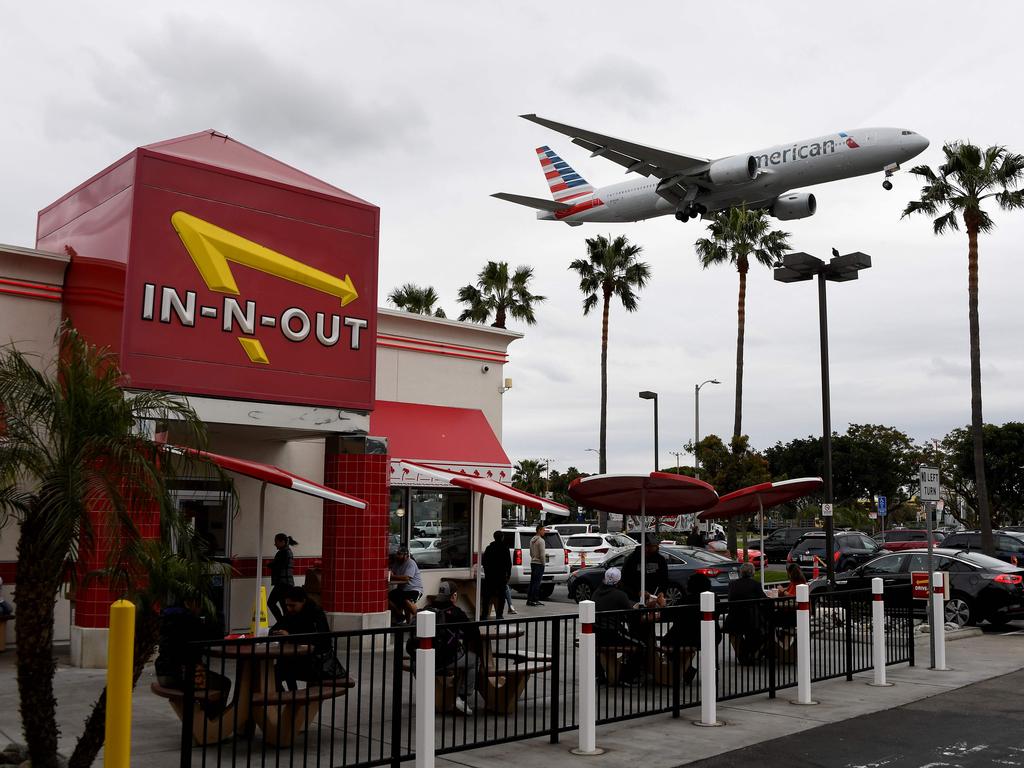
(661, 742)
(654, 742)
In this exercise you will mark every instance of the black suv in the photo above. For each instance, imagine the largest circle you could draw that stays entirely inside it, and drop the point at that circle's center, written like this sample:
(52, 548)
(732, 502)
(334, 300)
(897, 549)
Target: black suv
(1009, 544)
(851, 549)
(777, 544)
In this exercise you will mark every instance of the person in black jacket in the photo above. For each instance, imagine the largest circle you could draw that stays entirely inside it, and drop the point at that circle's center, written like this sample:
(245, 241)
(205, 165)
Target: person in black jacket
(180, 625)
(619, 630)
(747, 622)
(282, 573)
(304, 617)
(456, 646)
(497, 565)
(656, 580)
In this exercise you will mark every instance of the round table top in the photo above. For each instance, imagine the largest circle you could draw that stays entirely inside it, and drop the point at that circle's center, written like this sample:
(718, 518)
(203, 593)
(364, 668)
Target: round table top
(261, 650)
(500, 633)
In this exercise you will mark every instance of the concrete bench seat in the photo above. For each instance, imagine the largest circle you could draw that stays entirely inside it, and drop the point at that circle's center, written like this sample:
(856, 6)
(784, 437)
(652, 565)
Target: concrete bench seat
(283, 715)
(205, 730)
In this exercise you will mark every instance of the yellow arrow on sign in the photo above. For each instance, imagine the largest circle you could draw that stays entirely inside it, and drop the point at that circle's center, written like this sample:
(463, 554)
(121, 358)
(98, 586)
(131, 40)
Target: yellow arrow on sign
(212, 247)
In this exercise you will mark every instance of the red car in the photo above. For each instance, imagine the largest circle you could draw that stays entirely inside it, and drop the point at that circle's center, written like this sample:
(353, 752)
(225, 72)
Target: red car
(907, 538)
(753, 556)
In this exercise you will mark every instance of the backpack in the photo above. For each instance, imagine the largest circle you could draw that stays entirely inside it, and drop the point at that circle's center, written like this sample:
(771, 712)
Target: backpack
(448, 646)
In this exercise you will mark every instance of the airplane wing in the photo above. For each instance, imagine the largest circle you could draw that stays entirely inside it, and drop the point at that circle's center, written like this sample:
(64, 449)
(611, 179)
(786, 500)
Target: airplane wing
(532, 202)
(647, 161)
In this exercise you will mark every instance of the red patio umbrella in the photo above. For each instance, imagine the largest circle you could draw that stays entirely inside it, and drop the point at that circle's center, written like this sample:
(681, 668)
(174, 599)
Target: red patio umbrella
(657, 494)
(754, 498)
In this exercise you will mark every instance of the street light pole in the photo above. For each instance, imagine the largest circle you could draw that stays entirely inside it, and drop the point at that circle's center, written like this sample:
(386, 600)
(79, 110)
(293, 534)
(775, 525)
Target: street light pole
(648, 395)
(696, 423)
(797, 267)
(679, 464)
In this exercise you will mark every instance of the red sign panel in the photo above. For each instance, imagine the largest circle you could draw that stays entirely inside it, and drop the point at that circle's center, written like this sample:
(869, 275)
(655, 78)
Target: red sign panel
(919, 585)
(235, 286)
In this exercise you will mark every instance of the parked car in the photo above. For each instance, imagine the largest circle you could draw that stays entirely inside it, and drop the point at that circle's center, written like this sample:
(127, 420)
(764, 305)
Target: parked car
(556, 569)
(777, 544)
(592, 548)
(1013, 528)
(851, 548)
(899, 539)
(427, 529)
(752, 556)
(981, 588)
(570, 529)
(426, 552)
(1009, 544)
(682, 562)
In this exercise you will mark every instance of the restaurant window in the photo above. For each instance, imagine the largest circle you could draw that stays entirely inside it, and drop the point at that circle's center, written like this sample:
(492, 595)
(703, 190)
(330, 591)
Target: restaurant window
(440, 518)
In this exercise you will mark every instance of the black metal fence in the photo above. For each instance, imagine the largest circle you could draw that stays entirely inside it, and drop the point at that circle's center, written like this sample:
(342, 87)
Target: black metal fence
(347, 698)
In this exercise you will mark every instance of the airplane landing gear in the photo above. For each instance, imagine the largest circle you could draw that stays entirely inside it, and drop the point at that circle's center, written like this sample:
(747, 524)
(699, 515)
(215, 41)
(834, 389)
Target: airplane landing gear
(889, 171)
(692, 211)
(682, 216)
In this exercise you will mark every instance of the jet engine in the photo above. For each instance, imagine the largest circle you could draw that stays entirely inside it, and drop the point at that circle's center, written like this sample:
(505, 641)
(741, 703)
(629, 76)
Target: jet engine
(795, 205)
(737, 169)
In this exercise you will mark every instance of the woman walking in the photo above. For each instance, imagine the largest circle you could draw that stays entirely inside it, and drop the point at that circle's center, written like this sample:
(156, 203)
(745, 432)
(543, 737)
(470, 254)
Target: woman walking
(282, 574)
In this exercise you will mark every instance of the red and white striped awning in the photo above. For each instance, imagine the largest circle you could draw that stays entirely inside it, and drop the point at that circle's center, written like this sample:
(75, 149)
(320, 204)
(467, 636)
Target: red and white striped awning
(268, 473)
(489, 487)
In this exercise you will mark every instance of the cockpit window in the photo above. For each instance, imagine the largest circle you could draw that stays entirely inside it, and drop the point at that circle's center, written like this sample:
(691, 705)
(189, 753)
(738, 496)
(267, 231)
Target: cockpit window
(906, 133)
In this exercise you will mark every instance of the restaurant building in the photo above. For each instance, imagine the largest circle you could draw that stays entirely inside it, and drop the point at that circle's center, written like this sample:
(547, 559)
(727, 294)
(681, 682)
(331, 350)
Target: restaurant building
(250, 288)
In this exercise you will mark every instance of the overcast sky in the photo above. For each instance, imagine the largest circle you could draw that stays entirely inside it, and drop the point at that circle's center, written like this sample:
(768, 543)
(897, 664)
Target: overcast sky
(413, 106)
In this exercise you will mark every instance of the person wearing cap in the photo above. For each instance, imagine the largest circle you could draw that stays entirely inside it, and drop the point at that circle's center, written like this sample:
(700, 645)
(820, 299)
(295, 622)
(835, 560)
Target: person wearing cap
(456, 645)
(618, 631)
(403, 598)
(538, 555)
(656, 581)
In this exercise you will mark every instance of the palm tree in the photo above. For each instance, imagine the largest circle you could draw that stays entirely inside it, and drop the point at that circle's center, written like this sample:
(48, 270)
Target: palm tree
(416, 299)
(500, 294)
(611, 269)
(967, 178)
(528, 475)
(73, 465)
(739, 235)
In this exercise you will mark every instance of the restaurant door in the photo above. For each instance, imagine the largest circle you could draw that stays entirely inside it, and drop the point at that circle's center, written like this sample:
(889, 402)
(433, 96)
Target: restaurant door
(209, 506)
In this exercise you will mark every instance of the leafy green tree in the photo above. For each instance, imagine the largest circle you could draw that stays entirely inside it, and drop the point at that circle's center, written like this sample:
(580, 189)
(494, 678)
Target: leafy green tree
(1004, 457)
(74, 466)
(416, 299)
(611, 270)
(501, 295)
(969, 177)
(739, 236)
(530, 475)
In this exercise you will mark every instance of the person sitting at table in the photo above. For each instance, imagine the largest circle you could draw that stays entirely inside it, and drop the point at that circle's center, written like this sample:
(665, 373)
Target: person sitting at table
(656, 578)
(796, 577)
(181, 624)
(619, 631)
(695, 538)
(746, 623)
(456, 646)
(403, 598)
(304, 617)
(684, 634)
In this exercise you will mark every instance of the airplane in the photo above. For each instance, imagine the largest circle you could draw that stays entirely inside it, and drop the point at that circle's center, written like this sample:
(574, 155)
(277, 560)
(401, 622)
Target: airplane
(690, 186)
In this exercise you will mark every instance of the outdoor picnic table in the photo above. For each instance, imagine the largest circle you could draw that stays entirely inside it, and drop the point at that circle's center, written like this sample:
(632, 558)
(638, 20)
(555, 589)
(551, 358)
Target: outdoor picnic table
(507, 670)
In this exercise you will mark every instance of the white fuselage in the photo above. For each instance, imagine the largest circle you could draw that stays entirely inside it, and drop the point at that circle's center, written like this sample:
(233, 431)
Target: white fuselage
(780, 169)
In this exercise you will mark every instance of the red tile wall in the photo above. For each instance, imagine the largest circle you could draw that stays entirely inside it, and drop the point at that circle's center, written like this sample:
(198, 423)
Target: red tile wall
(93, 595)
(355, 540)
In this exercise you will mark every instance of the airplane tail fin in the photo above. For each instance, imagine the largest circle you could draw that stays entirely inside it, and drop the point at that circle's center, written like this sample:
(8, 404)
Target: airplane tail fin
(565, 184)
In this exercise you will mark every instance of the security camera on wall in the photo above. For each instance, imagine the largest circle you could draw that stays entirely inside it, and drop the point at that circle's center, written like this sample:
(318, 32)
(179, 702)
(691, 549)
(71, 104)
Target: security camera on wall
(484, 368)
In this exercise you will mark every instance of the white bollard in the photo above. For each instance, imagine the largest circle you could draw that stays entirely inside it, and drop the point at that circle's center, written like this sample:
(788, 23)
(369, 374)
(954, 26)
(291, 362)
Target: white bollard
(939, 620)
(878, 632)
(425, 630)
(803, 645)
(587, 675)
(708, 653)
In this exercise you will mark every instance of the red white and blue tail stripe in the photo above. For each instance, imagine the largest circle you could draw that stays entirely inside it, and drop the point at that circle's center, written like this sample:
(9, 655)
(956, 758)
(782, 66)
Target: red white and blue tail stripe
(565, 184)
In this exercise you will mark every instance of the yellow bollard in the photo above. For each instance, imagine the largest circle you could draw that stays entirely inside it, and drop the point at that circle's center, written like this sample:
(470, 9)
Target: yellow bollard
(120, 662)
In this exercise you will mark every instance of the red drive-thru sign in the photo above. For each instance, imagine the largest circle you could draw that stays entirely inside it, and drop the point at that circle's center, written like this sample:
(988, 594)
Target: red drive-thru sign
(215, 270)
(919, 585)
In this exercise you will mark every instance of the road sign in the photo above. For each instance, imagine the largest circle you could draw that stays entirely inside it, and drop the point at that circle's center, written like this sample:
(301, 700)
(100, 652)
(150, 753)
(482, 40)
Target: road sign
(919, 585)
(826, 510)
(930, 487)
(882, 506)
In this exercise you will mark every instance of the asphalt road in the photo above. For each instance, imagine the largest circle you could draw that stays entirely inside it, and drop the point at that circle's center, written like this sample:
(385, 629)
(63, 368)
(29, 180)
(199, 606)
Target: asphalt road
(979, 725)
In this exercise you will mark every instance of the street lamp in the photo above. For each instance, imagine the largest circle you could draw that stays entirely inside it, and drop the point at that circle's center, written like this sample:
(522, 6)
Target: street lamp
(646, 395)
(595, 450)
(696, 423)
(798, 267)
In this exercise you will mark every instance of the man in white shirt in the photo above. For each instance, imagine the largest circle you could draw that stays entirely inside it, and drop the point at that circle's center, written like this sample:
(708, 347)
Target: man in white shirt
(538, 555)
(404, 597)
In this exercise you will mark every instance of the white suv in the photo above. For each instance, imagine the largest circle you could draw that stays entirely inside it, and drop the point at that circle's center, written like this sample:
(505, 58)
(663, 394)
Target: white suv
(556, 569)
(592, 548)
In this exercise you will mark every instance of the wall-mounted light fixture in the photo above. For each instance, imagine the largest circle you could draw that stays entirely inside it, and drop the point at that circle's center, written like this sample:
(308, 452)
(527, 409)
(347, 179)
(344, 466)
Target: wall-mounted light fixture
(507, 387)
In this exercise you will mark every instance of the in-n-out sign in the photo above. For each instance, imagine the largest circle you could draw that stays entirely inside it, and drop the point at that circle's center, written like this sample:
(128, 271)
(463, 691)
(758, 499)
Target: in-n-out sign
(930, 488)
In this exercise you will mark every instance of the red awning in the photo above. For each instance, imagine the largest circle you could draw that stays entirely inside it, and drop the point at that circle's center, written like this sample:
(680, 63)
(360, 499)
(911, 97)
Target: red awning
(459, 439)
(268, 473)
(489, 487)
(750, 500)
